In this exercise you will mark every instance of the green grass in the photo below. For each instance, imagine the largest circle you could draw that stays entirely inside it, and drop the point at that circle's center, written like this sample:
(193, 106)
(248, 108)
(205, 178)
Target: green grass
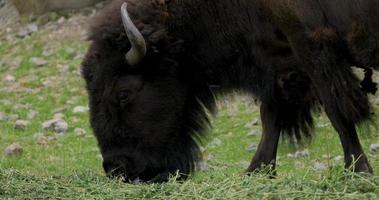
(70, 166)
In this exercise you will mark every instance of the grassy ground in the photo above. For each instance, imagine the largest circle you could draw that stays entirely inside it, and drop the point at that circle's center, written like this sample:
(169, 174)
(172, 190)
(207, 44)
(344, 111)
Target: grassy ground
(69, 166)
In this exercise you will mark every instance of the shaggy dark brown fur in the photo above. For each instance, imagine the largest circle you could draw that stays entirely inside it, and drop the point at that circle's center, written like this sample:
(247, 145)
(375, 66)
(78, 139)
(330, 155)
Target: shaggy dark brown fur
(148, 119)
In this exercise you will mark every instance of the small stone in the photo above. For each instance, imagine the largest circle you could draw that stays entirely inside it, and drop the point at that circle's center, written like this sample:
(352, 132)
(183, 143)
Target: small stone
(3, 116)
(252, 147)
(80, 109)
(45, 140)
(37, 135)
(60, 109)
(13, 150)
(27, 30)
(49, 124)
(58, 116)
(39, 62)
(319, 166)
(47, 52)
(210, 157)
(215, 142)
(253, 133)
(9, 78)
(61, 127)
(254, 122)
(374, 147)
(32, 114)
(202, 166)
(338, 158)
(80, 132)
(57, 125)
(61, 20)
(245, 164)
(302, 153)
(21, 124)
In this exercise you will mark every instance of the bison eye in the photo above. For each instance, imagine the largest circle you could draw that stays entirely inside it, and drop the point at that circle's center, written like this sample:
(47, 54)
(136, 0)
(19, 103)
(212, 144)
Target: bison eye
(124, 97)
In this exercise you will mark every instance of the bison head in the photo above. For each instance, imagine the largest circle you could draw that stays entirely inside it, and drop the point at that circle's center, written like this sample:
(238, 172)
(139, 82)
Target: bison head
(142, 110)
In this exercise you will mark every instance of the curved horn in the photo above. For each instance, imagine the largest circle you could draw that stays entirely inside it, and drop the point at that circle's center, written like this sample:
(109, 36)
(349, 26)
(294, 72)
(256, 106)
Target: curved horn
(138, 44)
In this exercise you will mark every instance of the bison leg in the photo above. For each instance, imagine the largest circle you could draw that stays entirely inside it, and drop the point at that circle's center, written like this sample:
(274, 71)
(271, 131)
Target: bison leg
(355, 158)
(265, 157)
(339, 91)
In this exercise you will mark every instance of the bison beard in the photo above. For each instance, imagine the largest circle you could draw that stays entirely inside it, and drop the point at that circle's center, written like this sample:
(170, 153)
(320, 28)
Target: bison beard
(149, 112)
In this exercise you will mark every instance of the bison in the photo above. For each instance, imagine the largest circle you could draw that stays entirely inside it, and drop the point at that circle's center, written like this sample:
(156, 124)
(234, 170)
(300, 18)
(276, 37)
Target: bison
(153, 69)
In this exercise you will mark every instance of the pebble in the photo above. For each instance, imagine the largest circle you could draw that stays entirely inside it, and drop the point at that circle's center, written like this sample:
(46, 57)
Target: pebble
(215, 142)
(57, 125)
(9, 78)
(253, 133)
(27, 30)
(299, 154)
(302, 154)
(254, 122)
(21, 124)
(374, 147)
(80, 132)
(39, 62)
(13, 150)
(45, 140)
(3, 116)
(319, 166)
(252, 147)
(32, 114)
(61, 127)
(202, 166)
(80, 109)
(338, 158)
(58, 116)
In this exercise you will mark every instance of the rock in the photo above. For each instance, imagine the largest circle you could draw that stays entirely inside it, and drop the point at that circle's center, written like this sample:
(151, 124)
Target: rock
(58, 116)
(60, 109)
(319, 166)
(302, 153)
(39, 62)
(45, 140)
(3, 116)
(47, 52)
(32, 114)
(254, 122)
(27, 30)
(13, 150)
(49, 124)
(245, 164)
(252, 147)
(9, 78)
(21, 124)
(202, 166)
(61, 127)
(80, 109)
(338, 158)
(253, 133)
(374, 147)
(210, 157)
(57, 125)
(215, 142)
(80, 132)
